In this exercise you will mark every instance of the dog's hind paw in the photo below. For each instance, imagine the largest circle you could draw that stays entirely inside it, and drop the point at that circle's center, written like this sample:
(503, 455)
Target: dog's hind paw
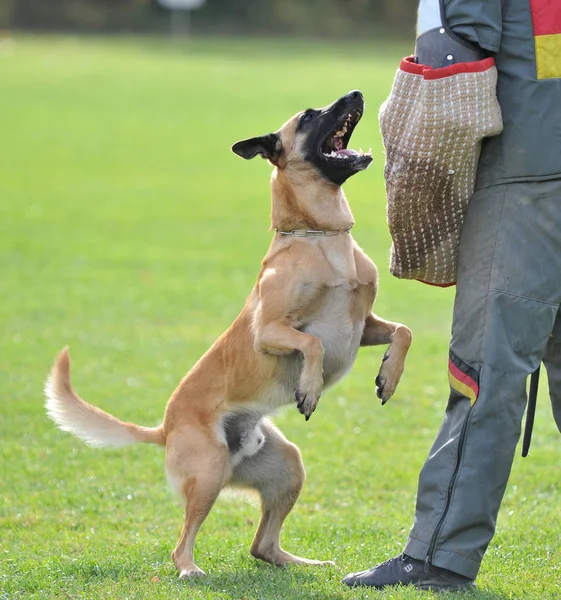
(193, 571)
(283, 559)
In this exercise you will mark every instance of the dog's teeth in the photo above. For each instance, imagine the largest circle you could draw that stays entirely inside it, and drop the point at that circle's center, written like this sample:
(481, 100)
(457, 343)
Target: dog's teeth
(360, 151)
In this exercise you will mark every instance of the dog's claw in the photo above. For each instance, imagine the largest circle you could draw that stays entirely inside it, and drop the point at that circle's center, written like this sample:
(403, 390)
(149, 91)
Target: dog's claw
(380, 389)
(305, 402)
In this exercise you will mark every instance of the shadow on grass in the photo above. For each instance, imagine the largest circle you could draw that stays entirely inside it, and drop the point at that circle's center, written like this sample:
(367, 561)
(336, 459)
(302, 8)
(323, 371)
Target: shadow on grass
(261, 581)
(264, 582)
(474, 595)
(270, 583)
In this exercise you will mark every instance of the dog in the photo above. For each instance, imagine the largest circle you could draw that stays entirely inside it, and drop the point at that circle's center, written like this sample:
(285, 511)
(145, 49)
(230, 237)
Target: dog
(298, 333)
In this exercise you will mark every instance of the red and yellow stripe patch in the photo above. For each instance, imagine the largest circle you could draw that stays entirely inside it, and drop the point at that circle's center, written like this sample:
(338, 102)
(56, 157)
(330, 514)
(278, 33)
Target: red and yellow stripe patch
(461, 381)
(546, 19)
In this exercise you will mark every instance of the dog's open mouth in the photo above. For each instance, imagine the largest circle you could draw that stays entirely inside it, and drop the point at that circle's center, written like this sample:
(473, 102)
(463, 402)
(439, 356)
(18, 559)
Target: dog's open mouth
(336, 143)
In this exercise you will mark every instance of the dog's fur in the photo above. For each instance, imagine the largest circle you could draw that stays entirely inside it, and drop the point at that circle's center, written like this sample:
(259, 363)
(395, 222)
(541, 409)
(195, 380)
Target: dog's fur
(298, 333)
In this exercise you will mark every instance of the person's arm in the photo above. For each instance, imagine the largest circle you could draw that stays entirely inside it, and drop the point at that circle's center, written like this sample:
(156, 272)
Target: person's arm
(453, 31)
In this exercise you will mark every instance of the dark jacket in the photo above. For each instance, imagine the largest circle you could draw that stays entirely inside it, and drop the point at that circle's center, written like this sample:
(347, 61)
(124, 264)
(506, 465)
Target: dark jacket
(524, 37)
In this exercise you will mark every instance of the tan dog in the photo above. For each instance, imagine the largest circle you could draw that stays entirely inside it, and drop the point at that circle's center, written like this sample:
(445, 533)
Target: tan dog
(298, 333)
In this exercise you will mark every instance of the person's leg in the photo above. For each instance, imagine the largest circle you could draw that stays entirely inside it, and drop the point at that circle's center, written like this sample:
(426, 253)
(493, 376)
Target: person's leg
(552, 361)
(507, 297)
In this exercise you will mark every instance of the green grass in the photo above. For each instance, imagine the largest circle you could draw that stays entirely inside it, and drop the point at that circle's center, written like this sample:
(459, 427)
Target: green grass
(130, 232)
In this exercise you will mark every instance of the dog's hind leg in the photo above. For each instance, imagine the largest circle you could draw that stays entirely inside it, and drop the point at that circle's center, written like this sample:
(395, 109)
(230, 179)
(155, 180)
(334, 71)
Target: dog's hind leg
(198, 467)
(277, 473)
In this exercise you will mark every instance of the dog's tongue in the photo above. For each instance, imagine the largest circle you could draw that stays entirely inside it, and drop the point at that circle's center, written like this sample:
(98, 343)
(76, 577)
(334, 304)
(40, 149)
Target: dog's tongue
(347, 152)
(338, 144)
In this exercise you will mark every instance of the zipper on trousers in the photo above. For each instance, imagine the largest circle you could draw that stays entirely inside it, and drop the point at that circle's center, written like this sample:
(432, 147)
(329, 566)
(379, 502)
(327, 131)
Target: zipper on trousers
(434, 539)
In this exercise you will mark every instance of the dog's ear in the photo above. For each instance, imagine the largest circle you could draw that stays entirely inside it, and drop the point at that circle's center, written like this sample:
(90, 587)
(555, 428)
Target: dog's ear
(268, 146)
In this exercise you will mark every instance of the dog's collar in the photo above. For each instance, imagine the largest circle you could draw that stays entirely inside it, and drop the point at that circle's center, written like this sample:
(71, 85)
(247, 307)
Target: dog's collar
(312, 232)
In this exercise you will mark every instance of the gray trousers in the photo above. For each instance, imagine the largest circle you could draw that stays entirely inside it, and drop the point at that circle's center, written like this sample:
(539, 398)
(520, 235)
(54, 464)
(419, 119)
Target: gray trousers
(506, 322)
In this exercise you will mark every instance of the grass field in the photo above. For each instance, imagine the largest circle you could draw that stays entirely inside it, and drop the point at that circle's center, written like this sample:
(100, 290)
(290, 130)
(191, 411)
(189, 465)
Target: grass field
(130, 232)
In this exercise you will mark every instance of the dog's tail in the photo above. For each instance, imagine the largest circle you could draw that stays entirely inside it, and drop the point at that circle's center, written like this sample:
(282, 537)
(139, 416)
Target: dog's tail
(92, 425)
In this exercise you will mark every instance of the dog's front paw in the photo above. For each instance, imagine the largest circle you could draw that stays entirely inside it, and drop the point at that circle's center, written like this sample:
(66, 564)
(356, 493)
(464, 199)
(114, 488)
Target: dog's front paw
(388, 377)
(307, 397)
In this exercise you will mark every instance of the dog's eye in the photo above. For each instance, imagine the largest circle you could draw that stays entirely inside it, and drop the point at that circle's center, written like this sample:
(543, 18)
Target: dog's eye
(306, 117)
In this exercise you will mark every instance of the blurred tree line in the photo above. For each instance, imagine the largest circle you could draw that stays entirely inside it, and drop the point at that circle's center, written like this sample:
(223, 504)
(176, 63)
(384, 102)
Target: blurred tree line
(333, 18)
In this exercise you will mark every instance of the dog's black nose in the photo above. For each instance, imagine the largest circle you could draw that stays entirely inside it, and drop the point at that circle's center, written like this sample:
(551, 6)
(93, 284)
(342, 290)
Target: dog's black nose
(354, 95)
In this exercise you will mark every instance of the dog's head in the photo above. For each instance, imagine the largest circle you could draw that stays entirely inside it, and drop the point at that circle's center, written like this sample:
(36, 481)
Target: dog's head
(315, 138)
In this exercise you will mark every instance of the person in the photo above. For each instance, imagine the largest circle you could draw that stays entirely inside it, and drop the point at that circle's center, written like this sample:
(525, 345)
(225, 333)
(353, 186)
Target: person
(506, 317)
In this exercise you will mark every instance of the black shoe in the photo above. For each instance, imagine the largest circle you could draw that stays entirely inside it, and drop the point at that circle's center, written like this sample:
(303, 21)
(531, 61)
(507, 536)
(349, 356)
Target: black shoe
(404, 570)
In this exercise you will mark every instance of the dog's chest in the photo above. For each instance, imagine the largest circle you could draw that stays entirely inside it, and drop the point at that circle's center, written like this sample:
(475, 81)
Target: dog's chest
(341, 261)
(340, 313)
(339, 324)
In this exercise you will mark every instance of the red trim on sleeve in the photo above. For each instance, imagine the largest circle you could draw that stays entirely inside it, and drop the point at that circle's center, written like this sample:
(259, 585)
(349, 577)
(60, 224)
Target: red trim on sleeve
(466, 67)
(546, 16)
(409, 66)
(440, 285)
